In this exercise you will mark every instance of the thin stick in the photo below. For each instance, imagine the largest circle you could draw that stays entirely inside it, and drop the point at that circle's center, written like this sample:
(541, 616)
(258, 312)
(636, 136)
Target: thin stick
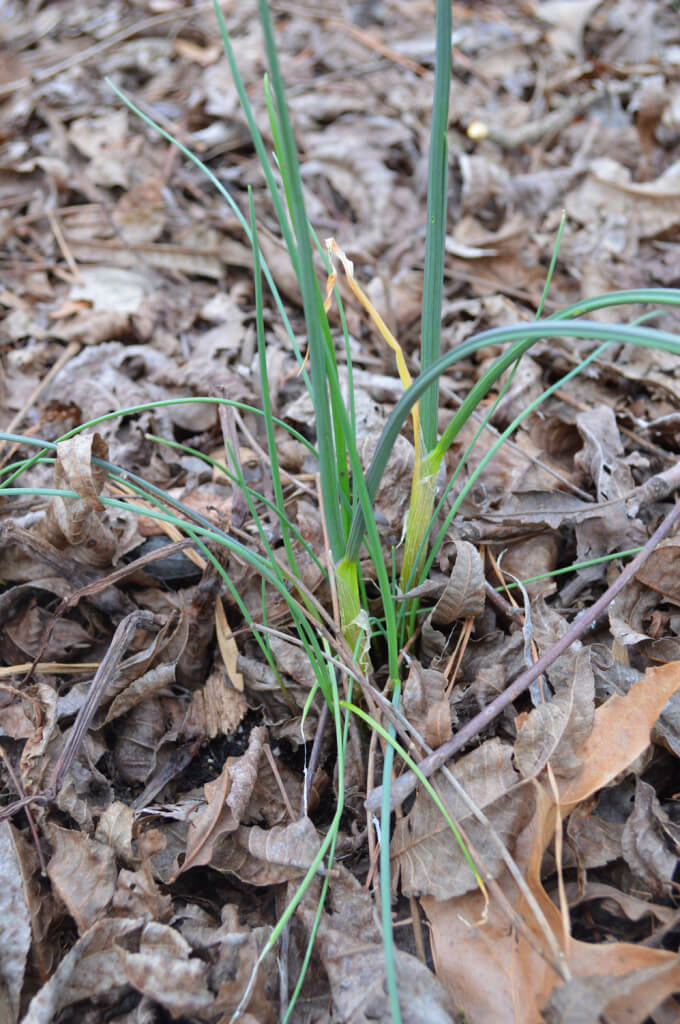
(407, 782)
(119, 644)
(16, 782)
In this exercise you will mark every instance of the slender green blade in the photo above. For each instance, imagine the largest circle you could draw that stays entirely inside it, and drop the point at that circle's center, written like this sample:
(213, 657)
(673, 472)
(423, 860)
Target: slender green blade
(311, 296)
(437, 190)
(523, 336)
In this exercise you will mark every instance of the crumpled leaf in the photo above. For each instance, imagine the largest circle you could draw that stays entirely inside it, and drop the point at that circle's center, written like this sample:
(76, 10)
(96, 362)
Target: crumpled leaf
(90, 968)
(494, 972)
(661, 571)
(268, 856)
(618, 1000)
(644, 842)
(426, 705)
(461, 596)
(556, 729)
(160, 965)
(79, 522)
(608, 193)
(620, 733)
(234, 948)
(601, 455)
(227, 798)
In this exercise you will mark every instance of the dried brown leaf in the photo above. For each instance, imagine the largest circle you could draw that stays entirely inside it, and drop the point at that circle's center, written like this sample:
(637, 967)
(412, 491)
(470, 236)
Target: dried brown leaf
(426, 705)
(79, 522)
(268, 856)
(350, 947)
(621, 731)
(87, 970)
(161, 967)
(227, 798)
(556, 729)
(83, 873)
(217, 709)
(644, 842)
(426, 854)
(661, 571)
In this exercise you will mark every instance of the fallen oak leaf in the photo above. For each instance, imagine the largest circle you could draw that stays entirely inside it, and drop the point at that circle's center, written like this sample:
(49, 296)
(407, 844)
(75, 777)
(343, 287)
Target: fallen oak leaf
(620, 733)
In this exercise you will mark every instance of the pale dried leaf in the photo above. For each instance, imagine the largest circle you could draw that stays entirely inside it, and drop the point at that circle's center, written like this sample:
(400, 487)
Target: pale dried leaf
(556, 729)
(163, 969)
(87, 970)
(268, 856)
(115, 828)
(15, 926)
(623, 999)
(644, 842)
(426, 705)
(350, 947)
(79, 522)
(427, 856)
(83, 873)
(621, 731)
(661, 571)
(227, 798)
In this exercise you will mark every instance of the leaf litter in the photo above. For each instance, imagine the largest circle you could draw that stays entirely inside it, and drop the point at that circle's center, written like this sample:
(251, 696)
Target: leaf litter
(157, 768)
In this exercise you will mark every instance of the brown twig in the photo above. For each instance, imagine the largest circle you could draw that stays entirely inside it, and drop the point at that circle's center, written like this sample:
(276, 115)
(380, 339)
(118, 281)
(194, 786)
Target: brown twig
(119, 644)
(16, 782)
(408, 781)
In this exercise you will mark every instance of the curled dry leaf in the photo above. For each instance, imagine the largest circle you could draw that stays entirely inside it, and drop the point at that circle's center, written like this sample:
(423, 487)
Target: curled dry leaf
(268, 856)
(499, 976)
(217, 709)
(227, 798)
(646, 841)
(620, 999)
(79, 522)
(426, 705)
(661, 571)
(463, 597)
(89, 969)
(621, 731)
(160, 965)
(556, 729)
(136, 744)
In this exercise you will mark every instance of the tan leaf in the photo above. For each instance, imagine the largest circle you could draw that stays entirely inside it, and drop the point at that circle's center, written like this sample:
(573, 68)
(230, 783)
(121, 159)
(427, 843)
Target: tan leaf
(162, 969)
(620, 732)
(227, 645)
(268, 856)
(217, 709)
(556, 729)
(350, 946)
(87, 970)
(78, 522)
(15, 926)
(661, 571)
(427, 856)
(83, 873)
(426, 705)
